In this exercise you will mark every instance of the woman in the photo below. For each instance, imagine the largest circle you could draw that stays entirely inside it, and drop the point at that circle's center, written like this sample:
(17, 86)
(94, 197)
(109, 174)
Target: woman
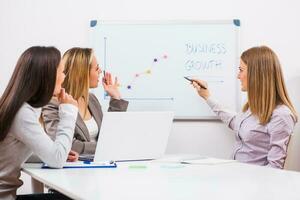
(264, 127)
(82, 73)
(38, 76)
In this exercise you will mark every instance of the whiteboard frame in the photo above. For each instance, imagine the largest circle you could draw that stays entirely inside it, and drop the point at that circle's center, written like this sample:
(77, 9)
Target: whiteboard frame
(94, 23)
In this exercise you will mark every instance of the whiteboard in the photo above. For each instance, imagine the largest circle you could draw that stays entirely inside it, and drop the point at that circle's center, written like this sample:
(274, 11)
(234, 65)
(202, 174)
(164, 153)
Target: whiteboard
(151, 58)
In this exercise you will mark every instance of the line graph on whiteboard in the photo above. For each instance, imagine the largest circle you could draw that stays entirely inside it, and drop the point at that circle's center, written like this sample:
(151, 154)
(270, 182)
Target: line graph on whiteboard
(128, 87)
(147, 79)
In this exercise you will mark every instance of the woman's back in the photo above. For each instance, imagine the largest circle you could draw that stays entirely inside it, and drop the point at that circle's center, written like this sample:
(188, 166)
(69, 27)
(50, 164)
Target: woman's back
(14, 152)
(26, 135)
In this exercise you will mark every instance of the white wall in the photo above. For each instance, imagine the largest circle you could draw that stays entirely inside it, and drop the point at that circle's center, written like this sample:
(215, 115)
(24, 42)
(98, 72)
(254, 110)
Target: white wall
(65, 23)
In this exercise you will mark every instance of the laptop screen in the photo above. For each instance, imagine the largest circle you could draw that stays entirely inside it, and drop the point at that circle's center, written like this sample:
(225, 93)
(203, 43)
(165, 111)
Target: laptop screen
(133, 135)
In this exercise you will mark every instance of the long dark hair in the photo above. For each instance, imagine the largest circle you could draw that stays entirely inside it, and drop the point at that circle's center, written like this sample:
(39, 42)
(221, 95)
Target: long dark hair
(33, 81)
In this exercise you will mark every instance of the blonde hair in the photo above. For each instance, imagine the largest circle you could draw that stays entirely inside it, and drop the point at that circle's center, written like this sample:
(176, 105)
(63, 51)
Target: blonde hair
(77, 69)
(266, 87)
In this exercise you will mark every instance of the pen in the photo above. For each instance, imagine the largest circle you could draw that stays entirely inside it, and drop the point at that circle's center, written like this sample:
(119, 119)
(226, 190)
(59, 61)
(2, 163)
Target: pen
(104, 77)
(111, 162)
(191, 80)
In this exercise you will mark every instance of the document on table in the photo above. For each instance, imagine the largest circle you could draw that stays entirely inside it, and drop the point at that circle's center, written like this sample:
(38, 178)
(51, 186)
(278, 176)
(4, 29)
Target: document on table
(178, 158)
(208, 161)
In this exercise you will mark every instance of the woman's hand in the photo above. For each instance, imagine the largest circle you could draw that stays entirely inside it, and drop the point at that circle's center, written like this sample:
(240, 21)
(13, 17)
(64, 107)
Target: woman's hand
(73, 156)
(64, 97)
(111, 87)
(201, 87)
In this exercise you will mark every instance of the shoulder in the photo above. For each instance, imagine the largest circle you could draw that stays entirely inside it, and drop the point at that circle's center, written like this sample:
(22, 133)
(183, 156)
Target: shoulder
(93, 99)
(26, 115)
(282, 115)
(282, 111)
(27, 110)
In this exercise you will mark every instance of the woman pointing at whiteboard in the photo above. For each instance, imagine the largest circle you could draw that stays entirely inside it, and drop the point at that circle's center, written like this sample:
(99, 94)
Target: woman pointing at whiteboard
(264, 127)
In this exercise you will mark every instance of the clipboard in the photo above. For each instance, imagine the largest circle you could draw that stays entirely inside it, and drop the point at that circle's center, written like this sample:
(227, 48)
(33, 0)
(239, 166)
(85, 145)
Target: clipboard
(85, 164)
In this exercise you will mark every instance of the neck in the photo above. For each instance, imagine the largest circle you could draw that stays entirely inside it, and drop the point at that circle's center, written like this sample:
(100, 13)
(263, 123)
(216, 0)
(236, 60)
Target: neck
(82, 107)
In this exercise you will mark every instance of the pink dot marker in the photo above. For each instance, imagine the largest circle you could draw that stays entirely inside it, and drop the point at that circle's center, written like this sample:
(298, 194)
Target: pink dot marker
(165, 56)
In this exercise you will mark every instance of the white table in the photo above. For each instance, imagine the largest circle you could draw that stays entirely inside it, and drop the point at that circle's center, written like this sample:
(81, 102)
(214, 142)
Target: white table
(172, 181)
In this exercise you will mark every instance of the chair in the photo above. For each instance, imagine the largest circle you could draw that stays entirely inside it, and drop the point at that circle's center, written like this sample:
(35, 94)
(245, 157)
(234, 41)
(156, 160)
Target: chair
(292, 161)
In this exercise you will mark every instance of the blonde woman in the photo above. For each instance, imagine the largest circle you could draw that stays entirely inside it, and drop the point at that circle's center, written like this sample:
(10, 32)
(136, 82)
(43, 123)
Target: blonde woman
(82, 73)
(264, 127)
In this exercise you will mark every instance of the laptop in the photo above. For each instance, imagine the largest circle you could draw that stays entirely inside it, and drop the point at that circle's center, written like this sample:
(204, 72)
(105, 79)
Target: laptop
(127, 136)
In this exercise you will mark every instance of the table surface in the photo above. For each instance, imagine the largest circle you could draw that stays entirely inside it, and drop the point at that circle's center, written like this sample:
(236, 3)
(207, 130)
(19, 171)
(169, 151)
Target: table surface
(161, 180)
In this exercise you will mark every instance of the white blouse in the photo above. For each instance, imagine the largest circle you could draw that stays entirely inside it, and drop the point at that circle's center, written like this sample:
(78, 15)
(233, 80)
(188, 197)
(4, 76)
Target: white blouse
(92, 127)
(26, 136)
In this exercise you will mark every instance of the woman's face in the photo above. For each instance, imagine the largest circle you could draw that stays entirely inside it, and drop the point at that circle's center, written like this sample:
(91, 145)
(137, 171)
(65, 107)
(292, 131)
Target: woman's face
(60, 77)
(95, 71)
(242, 75)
